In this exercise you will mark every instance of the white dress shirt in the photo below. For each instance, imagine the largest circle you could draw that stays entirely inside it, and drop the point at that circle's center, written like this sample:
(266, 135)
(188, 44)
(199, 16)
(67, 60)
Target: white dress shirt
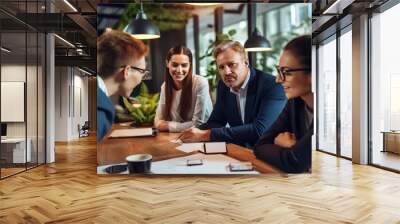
(241, 96)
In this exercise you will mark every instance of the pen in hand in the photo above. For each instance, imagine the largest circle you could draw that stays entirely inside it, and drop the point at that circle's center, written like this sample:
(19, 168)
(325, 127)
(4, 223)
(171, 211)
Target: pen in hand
(179, 137)
(184, 132)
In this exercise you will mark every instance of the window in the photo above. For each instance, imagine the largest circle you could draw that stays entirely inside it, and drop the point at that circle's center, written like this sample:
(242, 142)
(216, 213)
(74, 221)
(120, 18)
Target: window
(286, 21)
(204, 41)
(283, 24)
(385, 88)
(272, 23)
(241, 31)
(346, 94)
(326, 94)
(190, 40)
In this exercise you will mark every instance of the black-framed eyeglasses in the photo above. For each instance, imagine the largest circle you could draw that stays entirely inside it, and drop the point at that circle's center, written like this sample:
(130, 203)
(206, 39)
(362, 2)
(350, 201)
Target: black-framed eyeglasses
(283, 72)
(145, 72)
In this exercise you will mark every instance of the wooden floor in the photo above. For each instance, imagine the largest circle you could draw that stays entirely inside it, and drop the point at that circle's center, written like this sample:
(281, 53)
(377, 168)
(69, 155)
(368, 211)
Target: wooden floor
(10, 171)
(386, 159)
(69, 191)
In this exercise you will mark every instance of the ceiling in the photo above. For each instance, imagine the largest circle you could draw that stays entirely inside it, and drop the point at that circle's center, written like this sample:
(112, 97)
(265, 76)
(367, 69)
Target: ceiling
(327, 18)
(76, 24)
(109, 14)
(81, 27)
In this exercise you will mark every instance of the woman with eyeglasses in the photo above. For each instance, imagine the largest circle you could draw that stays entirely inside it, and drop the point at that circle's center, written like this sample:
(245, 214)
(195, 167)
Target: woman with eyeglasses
(287, 144)
(184, 100)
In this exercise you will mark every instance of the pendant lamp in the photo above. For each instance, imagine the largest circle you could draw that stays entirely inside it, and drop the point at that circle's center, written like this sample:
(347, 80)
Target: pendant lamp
(142, 28)
(257, 42)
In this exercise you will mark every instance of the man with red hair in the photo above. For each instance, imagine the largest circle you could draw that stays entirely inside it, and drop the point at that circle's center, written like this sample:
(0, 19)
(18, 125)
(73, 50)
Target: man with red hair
(120, 67)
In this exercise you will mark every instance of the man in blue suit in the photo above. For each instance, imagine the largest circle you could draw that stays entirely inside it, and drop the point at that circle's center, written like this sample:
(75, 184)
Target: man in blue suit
(120, 67)
(248, 100)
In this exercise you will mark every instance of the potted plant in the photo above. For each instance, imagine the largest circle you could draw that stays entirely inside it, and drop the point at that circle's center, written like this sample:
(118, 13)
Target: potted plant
(141, 109)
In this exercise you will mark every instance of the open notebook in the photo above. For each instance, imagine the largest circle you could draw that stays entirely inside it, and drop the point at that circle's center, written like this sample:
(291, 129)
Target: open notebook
(205, 147)
(132, 132)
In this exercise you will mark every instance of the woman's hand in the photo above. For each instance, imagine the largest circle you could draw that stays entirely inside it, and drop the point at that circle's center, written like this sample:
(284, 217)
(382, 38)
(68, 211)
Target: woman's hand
(285, 139)
(162, 125)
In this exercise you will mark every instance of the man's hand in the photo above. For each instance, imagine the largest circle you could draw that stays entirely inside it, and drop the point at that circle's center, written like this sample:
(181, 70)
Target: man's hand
(162, 125)
(195, 135)
(285, 139)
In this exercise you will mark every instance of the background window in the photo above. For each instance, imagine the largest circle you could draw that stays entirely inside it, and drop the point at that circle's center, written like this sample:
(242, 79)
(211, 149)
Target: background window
(241, 31)
(283, 24)
(346, 94)
(326, 94)
(206, 37)
(286, 18)
(272, 23)
(385, 84)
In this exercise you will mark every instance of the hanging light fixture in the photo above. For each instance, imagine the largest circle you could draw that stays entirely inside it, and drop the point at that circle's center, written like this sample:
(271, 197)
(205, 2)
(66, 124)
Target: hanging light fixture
(5, 49)
(142, 28)
(85, 71)
(257, 42)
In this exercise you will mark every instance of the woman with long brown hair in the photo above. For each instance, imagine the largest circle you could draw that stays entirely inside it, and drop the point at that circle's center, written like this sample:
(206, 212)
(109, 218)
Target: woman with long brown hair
(184, 100)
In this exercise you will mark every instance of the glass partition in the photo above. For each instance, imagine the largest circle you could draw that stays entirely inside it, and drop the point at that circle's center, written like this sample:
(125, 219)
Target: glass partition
(13, 95)
(22, 89)
(31, 98)
(41, 93)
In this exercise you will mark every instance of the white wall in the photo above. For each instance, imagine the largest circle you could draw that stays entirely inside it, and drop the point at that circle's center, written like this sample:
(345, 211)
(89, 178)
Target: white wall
(71, 102)
(80, 112)
(61, 103)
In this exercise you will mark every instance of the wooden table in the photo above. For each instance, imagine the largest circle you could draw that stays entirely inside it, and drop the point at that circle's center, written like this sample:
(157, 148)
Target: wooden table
(391, 141)
(115, 150)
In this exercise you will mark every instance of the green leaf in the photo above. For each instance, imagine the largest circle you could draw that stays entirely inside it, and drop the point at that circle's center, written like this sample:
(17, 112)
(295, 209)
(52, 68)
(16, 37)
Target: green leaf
(231, 32)
(144, 90)
(155, 97)
(145, 112)
(127, 104)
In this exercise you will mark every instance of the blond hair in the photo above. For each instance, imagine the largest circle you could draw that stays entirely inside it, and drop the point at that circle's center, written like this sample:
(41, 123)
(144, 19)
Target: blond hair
(229, 44)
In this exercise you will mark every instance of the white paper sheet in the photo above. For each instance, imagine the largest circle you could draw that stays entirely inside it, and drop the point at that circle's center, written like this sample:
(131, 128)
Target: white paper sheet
(190, 147)
(215, 147)
(211, 147)
(132, 132)
(212, 164)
